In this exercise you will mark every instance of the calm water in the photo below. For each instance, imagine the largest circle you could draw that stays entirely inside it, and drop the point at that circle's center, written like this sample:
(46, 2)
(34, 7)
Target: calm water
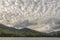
(21, 38)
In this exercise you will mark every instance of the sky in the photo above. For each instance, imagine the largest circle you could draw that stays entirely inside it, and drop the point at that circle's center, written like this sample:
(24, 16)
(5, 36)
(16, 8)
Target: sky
(39, 15)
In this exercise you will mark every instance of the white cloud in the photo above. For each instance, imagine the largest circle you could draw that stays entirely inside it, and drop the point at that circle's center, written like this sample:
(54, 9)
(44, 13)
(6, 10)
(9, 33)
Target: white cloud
(16, 12)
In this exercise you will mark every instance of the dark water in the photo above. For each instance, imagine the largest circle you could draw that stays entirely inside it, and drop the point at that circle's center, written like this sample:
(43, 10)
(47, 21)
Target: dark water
(27, 38)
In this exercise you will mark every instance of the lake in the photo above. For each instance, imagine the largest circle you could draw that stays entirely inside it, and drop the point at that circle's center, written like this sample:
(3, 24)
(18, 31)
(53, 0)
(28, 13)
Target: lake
(28, 38)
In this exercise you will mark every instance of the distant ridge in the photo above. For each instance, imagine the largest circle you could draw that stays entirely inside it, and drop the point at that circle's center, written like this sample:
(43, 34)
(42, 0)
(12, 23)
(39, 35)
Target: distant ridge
(12, 32)
(6, 31)
(6, 27)
(11, 28)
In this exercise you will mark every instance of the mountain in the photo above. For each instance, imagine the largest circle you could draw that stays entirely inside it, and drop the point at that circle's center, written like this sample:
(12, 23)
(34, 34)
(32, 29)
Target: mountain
(12, 32)
(6, 27)
(25, 32)
(55, 33)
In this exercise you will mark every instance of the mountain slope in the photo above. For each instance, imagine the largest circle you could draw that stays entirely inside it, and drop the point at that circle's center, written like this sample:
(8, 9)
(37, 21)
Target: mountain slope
(25, 32)
(12, 32)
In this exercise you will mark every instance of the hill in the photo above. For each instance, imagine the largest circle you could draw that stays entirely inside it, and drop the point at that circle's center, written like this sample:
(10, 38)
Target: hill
(12, 32)
(25, 32)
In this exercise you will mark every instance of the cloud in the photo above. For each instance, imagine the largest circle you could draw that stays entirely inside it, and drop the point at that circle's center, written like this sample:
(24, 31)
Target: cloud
(44, 15)
(25, 24)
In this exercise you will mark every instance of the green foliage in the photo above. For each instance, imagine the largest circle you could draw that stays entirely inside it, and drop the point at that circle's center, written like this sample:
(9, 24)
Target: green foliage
(25, 33)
